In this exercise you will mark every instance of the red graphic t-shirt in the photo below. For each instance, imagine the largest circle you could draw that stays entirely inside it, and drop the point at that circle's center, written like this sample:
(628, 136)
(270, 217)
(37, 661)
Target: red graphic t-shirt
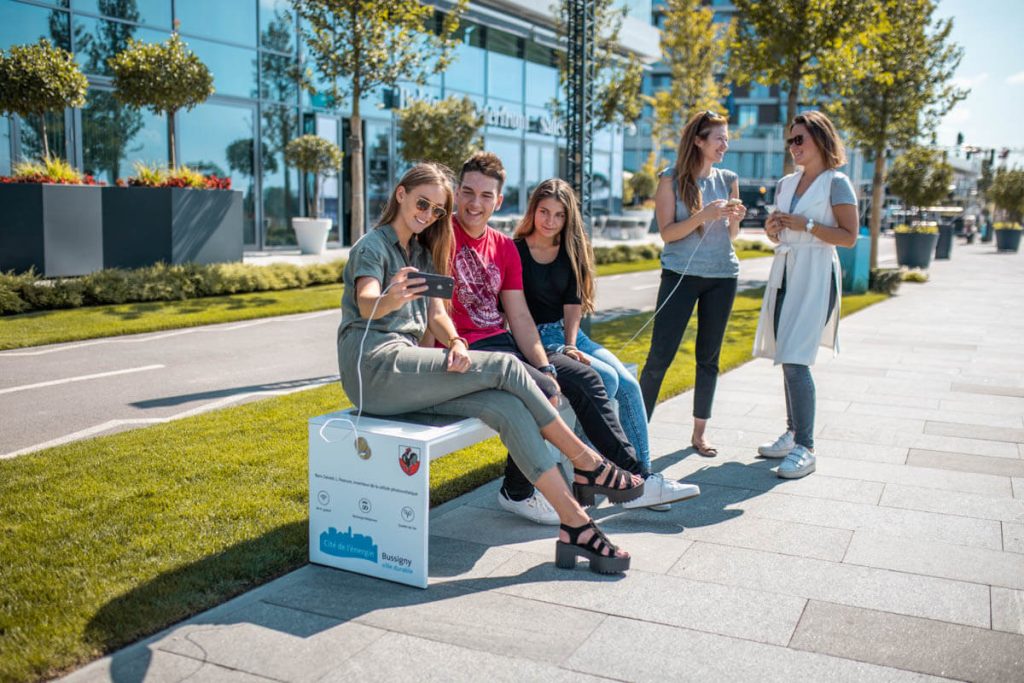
(482, 269)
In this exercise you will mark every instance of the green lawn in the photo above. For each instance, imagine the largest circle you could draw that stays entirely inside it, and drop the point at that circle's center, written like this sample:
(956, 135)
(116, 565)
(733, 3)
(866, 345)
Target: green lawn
(107, 540)
(51, 327)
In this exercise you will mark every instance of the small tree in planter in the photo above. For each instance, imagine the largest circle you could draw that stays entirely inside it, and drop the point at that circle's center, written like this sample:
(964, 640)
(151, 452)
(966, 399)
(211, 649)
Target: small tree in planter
(319, 157)
(162, 77)
(35, 79)
(447, 131)
(921, 177)
(1007, 193)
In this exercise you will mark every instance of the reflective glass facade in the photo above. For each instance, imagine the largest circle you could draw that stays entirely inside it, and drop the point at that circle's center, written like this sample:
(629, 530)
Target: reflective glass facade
(252, 49)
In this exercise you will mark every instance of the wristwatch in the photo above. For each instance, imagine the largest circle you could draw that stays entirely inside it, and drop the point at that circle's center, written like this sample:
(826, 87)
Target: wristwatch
(810, 226)
(549, 369)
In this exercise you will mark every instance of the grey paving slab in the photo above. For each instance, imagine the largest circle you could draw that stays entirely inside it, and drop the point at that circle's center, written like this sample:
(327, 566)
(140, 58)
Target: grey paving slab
(852, 450)
(872, 413)
(159, 667)
(923, 476)
(1013, 537)
(655, 545)
(933, 647)
(990, 389)
(946, 560)
(1001, 405)
(272, 641)
(1008, 610)
(970, 446)
(788, 538)
(965, 462)
(982, 533)
(923, 596)
(939, 428)
(400, 657)
(462, 614)
(953, 503)
(751, 614)
(677, 654)
(1018, 486)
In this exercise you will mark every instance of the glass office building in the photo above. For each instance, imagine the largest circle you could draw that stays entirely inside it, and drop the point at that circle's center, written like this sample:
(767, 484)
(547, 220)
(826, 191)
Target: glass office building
(505, 62)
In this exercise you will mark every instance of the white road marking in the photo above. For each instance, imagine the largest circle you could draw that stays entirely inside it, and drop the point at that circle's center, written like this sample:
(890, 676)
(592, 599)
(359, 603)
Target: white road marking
(113, 424)
(80, 378)
(147, 337)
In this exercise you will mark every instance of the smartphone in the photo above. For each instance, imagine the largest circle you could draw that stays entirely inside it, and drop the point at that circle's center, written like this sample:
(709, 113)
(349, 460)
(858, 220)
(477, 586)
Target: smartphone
(438, 286)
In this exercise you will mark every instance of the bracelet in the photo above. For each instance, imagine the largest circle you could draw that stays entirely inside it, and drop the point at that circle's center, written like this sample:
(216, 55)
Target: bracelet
(451, 342)
(549, 369)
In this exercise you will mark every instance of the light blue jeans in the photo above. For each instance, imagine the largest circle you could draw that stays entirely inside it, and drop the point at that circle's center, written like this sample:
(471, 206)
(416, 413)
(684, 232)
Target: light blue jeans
(618, 382)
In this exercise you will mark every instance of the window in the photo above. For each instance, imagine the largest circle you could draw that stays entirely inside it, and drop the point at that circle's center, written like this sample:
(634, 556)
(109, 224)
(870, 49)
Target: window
(23, 24)
(5, 145)
(746, 115)
(277, 31)
(467, 70)
(278, 82)
(541, 84)
(97, 40)
(509, 149)
(540, 164)
(233, 68)
(280, 184)
(152, 12)
(504, 77)
(228, 20)
(210, 138)
(114, 137)
(30, 138)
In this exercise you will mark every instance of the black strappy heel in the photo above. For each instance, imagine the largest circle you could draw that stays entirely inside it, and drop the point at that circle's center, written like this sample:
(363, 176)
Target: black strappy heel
(612, 487)
(593, 550)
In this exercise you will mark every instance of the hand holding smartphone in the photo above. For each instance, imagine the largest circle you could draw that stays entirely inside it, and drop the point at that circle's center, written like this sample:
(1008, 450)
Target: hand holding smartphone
(438, 286)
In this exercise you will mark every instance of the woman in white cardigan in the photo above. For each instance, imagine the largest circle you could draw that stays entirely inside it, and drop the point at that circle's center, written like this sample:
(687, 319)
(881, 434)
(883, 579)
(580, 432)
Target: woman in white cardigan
(817, 211)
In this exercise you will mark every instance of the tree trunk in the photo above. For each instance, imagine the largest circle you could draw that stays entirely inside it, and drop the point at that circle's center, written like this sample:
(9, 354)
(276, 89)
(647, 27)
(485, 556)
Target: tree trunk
(877, 197)
(46, 143)
(170, 139)
(791, 102)
(356, 144)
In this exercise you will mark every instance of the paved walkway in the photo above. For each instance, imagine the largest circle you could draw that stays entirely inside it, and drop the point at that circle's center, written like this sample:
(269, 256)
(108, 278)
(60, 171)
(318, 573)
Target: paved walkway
(902, 558)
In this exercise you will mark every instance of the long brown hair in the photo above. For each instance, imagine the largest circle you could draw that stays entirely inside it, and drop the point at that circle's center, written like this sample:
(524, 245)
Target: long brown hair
(690, 160)
(825, 136)
(437, 237)
(573, 236)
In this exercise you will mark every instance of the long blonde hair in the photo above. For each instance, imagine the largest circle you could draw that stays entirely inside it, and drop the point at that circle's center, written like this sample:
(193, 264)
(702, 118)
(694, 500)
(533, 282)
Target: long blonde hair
(437, 237)
(573, 236)
(690, 159)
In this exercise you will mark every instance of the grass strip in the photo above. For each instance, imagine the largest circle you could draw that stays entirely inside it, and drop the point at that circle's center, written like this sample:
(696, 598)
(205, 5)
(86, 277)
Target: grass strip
(111, 539)
(91, 322)
(75, 324)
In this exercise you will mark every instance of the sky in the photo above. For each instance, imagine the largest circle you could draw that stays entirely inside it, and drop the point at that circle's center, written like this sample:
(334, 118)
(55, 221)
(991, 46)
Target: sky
(992, 35)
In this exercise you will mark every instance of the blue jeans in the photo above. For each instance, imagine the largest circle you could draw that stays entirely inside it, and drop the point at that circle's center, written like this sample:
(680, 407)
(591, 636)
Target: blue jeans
(618, 382)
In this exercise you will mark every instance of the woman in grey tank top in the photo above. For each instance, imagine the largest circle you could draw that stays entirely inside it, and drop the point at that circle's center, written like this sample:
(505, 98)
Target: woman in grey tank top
(698, 212)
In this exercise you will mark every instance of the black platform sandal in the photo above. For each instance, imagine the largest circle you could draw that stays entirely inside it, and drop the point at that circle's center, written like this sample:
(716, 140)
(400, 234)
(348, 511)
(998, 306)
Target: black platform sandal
(593, 550)
(612, 487)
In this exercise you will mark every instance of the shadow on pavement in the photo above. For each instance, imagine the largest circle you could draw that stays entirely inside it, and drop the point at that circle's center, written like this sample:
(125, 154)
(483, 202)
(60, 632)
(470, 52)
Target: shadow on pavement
(169, 401)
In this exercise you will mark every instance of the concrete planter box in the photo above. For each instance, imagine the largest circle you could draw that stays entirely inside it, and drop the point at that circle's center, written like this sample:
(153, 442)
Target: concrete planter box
(944, 245)
(1008, 240)
(855, 262)
(915, 249)
(56, 229)
(145, 225)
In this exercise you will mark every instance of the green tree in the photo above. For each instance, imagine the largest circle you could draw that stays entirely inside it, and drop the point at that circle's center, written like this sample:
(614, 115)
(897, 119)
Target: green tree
(1007, 192)
(162, 77)
(694, 48)
(316, 156)
(921, 177)
(618, 78)
(35, 79)
(358, 46)
(644, 183)
(902, 90)
(447, 131)
(799, 45)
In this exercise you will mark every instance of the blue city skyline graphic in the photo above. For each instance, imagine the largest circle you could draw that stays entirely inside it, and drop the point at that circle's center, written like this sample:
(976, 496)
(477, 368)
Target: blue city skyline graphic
(347, 544)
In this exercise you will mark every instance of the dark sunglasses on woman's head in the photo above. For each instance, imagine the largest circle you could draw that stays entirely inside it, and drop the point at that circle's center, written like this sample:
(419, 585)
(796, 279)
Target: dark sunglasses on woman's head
(795, 140)
(422, 204)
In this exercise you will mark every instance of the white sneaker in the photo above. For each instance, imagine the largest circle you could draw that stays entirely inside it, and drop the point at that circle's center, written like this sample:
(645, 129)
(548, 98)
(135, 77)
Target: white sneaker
(536, 508)
(779, 448)
(659, 491)
(798, 463)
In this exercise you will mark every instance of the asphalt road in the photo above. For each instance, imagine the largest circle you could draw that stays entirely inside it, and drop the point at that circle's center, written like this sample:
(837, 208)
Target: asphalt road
(56, 394)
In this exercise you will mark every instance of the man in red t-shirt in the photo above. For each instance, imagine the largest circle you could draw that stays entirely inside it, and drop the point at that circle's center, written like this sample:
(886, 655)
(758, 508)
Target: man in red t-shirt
(488, 294)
